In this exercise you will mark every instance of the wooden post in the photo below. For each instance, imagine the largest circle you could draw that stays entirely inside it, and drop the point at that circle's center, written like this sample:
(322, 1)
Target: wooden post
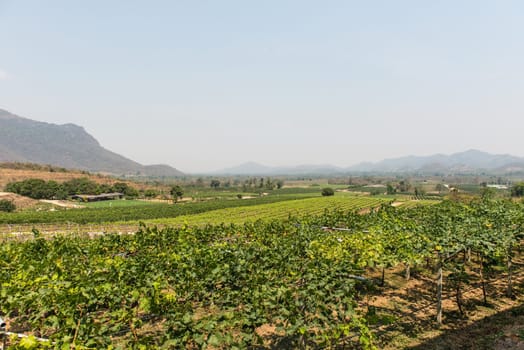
(439, 292)
(482, 281)
(459, 297)
(509, 290)
(408, 272)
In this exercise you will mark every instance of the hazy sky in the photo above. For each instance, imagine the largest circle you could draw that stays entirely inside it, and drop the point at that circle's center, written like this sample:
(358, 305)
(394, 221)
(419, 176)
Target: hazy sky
(203, 85)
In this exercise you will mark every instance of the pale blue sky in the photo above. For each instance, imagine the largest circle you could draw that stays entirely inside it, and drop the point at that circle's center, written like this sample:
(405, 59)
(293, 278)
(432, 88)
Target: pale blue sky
(203, 85)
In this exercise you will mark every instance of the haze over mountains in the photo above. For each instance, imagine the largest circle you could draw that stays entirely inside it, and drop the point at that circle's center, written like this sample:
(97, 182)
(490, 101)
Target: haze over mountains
(471, 161)
(68, 146)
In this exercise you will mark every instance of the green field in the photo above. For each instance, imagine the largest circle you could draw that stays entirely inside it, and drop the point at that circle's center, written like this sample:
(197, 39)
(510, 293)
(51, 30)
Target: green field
(275, 211)
(125, 215)
(118, 203)
(192, 214)
(137, 212)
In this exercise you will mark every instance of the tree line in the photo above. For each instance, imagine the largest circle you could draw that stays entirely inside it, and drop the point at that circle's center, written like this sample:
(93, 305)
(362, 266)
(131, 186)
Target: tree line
(41, 189)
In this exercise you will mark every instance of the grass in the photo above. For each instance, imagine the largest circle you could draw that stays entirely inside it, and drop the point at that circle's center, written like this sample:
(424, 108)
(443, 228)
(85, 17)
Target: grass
(219, 194)
(117, 203)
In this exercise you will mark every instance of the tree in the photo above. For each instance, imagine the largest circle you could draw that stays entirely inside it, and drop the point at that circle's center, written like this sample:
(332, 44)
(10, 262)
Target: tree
(124, 188)
(328, 191)
(404, 186)
(81, 186)
(177, 192)
(419, 191)
(104, 188)
(121, 187)
(36, 188)
(7, 206)
(517, 190)
(150, 193)
(131, 192)
(440, 187)
(215, 183)
(390, 189)
(280, 184)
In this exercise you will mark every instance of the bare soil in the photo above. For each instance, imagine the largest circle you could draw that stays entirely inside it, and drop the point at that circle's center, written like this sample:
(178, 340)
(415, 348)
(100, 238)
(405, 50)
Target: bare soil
(405, 312)
(63, 204)
(21, 202)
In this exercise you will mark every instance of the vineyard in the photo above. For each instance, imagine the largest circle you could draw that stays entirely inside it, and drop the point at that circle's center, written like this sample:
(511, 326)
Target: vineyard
(418, 202)
(202, 214)
(137, 212)
(275, 211)
(302, 283)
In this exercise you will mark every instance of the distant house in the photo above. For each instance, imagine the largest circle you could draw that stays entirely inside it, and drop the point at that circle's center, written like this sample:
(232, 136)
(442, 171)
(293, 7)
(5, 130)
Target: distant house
(98, 197)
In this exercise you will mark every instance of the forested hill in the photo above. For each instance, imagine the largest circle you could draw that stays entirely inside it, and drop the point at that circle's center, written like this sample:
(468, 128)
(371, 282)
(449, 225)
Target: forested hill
(68, 145)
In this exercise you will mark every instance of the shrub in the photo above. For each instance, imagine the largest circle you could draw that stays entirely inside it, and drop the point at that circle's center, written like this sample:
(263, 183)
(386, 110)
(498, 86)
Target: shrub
(328, 191)
(7, 206)
(517, 190)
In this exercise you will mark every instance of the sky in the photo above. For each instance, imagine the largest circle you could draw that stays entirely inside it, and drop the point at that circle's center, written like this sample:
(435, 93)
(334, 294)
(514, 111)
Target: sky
(205, 85)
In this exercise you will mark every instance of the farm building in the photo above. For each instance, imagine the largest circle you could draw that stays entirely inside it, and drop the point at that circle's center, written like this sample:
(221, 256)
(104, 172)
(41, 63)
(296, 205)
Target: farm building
(98, 197)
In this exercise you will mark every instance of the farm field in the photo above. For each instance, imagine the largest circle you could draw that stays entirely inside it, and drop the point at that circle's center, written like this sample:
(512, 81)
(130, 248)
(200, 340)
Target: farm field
(414, 203)
(293, 205)
(138, 212)
(117, 203)
(371, 281)
(275, 211)
(198, 194)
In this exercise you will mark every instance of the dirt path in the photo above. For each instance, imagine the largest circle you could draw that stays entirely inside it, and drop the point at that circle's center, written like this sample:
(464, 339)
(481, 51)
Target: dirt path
(63, 204)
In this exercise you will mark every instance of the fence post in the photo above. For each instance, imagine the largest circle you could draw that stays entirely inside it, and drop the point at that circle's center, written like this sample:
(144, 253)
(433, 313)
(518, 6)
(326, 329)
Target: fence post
(439, 292)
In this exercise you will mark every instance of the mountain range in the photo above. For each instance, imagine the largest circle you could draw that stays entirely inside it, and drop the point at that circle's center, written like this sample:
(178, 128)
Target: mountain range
(471, 161)
(68, 146)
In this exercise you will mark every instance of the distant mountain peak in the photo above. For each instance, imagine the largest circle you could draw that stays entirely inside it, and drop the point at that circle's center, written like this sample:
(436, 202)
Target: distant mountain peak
(469, 160)
(67, 145)
(7, 115)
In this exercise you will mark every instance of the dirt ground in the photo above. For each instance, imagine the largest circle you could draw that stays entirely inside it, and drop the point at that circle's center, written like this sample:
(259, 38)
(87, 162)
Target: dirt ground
(20, 201)
(63, 204)
(405, 313)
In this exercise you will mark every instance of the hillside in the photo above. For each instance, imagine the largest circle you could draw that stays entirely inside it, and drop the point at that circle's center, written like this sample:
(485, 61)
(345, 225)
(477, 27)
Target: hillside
(8, 173)
(68, 145)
